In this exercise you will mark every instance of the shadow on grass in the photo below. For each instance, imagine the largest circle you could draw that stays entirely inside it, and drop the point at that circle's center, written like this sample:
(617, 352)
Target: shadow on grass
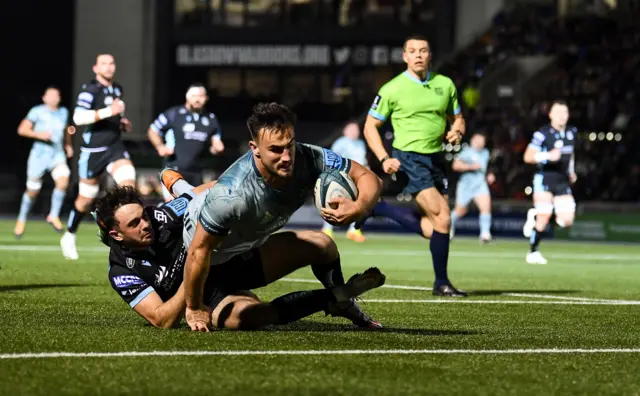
(322, 327)
(12, 288)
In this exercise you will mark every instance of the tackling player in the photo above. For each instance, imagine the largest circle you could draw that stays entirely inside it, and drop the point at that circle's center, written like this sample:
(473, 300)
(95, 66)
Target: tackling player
(419, 103)
(46, 124)
(349, 146)
(230, 230)
(552, 151)
(101, 109)
(472, 186)
(147, 257)
(182, 133)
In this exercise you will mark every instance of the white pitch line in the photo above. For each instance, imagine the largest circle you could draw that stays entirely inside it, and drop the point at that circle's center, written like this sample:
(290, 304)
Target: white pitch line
(523, 295)
(474, 254)
(512, 302)
(46, 355)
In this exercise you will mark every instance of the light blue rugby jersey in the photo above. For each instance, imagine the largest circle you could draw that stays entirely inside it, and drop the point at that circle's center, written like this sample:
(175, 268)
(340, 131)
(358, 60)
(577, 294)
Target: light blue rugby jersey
(472, 156)
(242, 207)
(54, 121)
(355, 150)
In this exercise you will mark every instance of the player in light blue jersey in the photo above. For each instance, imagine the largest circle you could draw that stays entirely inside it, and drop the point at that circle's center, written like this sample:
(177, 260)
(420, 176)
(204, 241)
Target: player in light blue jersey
(352, 147)
(230, 231)
(46, 124)
(472, 186)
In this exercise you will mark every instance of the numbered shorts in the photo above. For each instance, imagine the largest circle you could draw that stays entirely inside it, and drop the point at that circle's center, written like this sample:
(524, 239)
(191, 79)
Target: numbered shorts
(554, 182)
(466, 192)
(241, 273)
(93, 163)
(422, 171)
(41, 163)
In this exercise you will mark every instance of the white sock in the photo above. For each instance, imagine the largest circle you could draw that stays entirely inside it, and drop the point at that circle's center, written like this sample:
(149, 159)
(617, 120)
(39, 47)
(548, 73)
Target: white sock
(180, 187)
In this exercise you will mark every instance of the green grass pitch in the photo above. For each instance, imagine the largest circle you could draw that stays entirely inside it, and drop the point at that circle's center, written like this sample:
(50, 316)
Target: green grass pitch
(570, 327)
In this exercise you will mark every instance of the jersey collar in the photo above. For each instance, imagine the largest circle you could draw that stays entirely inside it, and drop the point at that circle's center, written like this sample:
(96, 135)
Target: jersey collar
(416, 80)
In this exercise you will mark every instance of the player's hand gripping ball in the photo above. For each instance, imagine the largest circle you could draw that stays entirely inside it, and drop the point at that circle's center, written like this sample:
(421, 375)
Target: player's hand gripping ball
(333, 184)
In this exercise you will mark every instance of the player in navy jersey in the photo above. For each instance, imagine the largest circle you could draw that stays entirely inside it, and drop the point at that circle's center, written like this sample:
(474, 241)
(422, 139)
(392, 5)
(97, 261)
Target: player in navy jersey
(181, 134)
(147, 257)
(552, 151)
(231, 230)
(101, 109)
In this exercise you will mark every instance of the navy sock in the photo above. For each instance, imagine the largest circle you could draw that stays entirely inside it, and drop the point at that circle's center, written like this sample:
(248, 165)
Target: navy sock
(408, 218)
(298, 305)
(440, 255)
(329, 275)
(534, 240)
(74, 220)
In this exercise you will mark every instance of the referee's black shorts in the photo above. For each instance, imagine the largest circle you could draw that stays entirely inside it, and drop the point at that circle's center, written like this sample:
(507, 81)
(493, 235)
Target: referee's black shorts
(419, 172)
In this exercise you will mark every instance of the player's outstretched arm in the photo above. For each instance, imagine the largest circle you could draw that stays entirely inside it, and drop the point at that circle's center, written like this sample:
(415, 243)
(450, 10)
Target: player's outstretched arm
(195, 273)
(25, 129)
(163, 315)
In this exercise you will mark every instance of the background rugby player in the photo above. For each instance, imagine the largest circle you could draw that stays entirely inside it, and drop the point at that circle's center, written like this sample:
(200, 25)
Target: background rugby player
(419, 103)
(552, 151)
(46, 124)
(182, 134)
(230, 230)
(473, 185)
(101, 109)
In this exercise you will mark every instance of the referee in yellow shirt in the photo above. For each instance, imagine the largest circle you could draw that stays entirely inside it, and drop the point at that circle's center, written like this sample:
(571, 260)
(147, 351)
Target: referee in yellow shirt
(419, 103)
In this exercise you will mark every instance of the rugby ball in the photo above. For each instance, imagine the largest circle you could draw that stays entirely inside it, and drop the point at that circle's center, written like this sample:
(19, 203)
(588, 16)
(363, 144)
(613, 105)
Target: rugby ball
(332, 184)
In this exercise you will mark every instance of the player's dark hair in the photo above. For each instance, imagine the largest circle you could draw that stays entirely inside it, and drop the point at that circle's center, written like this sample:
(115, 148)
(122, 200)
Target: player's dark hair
(196, 85)
(48, 87)
(559, 102)
(270, 116)
(99, 54)
(419, 37)
(104, 208)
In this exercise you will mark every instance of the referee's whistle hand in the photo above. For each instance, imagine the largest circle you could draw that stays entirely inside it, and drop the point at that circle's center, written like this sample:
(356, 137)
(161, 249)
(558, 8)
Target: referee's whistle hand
(390, 166)
(454, 137)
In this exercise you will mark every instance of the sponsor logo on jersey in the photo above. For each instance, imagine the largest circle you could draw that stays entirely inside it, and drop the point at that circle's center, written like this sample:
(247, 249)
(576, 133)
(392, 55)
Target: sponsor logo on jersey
(376, 102)
(195, 135)
(160, 216)
(108, 100)
(127, 280)
(189, 127)
(205, 121)
(558, 144)
(439, 91)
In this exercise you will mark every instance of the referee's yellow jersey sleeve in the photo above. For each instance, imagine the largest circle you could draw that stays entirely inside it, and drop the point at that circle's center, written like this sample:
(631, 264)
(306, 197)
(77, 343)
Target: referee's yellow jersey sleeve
(382, 106)
(454, 105)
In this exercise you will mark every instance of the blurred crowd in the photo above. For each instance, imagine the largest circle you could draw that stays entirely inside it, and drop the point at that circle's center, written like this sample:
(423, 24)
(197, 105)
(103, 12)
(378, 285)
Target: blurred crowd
(596, 73)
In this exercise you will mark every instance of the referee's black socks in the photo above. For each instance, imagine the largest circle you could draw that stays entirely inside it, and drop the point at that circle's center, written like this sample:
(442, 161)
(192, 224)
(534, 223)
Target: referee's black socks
(439, 247)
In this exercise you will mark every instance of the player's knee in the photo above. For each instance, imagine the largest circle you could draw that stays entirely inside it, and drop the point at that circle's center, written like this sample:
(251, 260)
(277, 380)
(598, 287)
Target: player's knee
(88, 192)
(323, 247)
(564, 220)
(124, 175)
(60, 174)
(33, 188)
(442, 222)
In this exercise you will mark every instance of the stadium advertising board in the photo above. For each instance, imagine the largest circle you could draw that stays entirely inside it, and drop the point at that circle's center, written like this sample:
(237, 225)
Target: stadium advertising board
(286, 55)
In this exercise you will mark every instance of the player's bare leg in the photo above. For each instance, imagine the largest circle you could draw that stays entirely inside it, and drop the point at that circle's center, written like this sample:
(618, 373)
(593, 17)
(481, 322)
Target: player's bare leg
(543, 203)
(483, 202)
(244, 310)
(565, 209)
(60, 175)
(123, 172)
(28, 198)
